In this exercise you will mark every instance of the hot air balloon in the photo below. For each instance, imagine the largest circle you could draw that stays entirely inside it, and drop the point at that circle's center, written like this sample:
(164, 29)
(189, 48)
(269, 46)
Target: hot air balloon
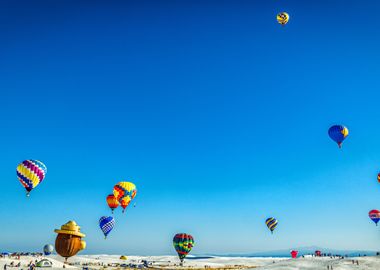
(48, 249)
(124, 189)
(374, 215)
(282, 18)
(318, 253)
(378, 177)
(338, 133)
(125, 202)
(294, 253)
(271, 223)
(69, 240)
(31, 173)
(183, 243)
(106, 224)
(112, 202)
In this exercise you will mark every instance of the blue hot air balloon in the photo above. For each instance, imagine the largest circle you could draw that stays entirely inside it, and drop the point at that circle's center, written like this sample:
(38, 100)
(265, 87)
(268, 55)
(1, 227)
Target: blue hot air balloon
(338, 133)
(106, 224)
(48, 249)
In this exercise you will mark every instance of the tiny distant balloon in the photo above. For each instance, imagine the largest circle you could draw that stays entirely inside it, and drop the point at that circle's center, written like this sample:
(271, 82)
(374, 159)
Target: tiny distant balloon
(338, 134)
(282, 18)
(30, 173)
(374, 215)
(378, 177)
(106, 224)
(48, 249)
(271, 223)
(294, 253)
(112, 202)
(183, 243)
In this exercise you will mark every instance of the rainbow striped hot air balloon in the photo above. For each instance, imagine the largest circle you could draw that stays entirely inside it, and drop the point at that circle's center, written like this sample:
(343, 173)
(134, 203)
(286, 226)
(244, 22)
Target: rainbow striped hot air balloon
(271, 223)
(31, 173)
(183, 243)
(338, 133)
(374, 215)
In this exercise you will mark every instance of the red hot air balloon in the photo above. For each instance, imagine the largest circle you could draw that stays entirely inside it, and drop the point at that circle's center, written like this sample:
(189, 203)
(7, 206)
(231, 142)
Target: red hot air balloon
(374, 215)
(294, 253)
(318, 253)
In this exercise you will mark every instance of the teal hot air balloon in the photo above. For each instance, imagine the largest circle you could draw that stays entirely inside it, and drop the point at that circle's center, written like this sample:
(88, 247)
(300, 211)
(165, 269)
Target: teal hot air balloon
(106, 224)
(48, 249)
(271, 223)
(183, 243)
(338, 133)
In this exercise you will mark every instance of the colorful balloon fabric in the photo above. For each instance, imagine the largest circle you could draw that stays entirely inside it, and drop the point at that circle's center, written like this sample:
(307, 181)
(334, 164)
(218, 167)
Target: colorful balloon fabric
(112, 202)
(282, 18)
(124, 189)
(48, 249)
(183, 243)
(125, 202)
(31, 173)
(378, 177)
(374, 215)
(271, 223)
(294, 253)
(338, 133)
(106, 224)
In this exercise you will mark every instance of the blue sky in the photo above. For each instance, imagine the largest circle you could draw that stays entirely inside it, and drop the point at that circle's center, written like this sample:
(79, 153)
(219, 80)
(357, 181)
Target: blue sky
(215, 111)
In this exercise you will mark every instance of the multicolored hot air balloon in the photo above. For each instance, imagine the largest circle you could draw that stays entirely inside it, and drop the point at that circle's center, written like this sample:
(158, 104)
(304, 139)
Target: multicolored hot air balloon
(48, 249)
(125, 202)
(294, 253)
(31, 173)
(112, 202)
(338, 133)
(106, 224)
(124, 189)
(282, 18)
(374, 215)
(183, 243)
(271, 223)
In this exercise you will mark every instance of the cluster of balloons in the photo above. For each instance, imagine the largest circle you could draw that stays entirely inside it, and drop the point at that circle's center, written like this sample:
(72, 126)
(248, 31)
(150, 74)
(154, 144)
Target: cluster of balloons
(123, 194)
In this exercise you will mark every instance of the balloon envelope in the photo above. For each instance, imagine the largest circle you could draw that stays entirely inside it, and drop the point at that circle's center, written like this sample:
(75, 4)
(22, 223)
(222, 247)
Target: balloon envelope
(124, 189)
(271, 223)
(112, 202)
(294, 253)
(183, 243)
(106, 224)
(282, 18)
(374, 215)
(48, 249)
(30, 173)
(338, 133)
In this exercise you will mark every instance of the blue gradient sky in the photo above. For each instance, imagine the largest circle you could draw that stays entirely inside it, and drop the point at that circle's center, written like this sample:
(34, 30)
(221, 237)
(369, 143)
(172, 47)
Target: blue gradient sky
(216, 112)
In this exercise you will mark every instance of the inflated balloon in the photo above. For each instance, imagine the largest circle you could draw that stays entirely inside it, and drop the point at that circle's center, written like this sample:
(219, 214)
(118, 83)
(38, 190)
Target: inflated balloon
(338, 133)
(271, 223)
(106, 224)
(69, 240)
(48, 249)
(374, 215)
(112, 202)
(294, 253)
(378, 177)
(125, 202)
(183, 243)
(31, 173)
(124, 189)
(282, 18)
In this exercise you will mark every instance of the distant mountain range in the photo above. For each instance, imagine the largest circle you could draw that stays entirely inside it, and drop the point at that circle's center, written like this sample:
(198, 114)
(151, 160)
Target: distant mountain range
(301, 251)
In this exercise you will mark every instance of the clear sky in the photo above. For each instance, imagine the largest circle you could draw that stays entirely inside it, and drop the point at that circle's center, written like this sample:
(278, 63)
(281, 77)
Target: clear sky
(215, 111)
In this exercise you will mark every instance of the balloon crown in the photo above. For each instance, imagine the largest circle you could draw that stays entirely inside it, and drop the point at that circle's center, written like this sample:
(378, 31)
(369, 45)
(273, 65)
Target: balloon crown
(70, 227)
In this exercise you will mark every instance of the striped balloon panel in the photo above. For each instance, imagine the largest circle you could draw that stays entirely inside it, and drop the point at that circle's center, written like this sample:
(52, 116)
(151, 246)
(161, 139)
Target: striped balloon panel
(30, 173)
(183, 243)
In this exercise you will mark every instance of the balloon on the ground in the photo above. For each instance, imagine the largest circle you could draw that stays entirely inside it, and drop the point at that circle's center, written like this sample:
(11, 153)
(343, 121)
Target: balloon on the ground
(48, 249)
(374, 215)
(338, 133)
(106, 224)
(124, 189)
(122, 257)
(294, 253)
(183, 243)
(69, 240)
(112, 202)
(282, 18)
(125, 202)
(271, 223)
(31, 173)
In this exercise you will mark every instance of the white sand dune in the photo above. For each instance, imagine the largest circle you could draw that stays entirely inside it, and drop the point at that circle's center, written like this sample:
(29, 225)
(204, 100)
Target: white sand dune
(171, 262)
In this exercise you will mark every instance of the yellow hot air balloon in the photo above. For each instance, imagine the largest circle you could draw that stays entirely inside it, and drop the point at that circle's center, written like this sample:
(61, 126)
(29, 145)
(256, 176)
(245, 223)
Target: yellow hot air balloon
(282, 18)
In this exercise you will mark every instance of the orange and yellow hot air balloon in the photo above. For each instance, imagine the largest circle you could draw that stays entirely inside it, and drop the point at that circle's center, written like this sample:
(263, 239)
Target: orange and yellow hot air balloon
(112, 202)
